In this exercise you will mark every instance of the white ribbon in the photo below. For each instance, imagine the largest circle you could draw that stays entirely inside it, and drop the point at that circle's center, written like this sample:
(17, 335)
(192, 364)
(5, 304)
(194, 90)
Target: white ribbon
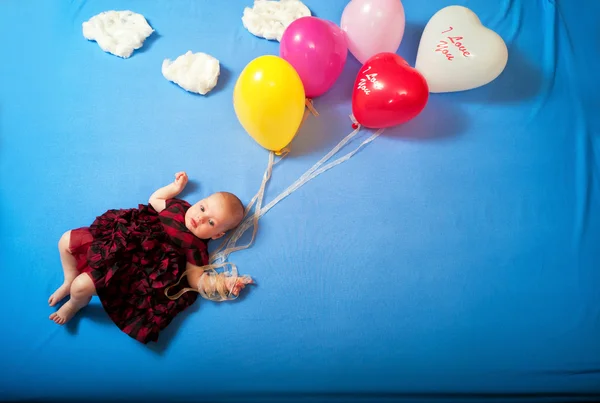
(228, 246)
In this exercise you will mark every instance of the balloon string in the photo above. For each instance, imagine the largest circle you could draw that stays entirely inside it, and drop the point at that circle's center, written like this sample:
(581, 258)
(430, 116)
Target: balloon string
(228, 245)
(309, 104)
(258, 198)
(309, 175)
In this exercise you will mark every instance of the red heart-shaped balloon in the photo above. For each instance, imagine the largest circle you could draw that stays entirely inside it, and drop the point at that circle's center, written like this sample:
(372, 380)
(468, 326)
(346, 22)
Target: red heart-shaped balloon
(388, 92)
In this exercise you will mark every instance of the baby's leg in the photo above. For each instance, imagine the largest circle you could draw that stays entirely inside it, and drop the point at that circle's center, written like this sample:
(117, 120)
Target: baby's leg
(82, 289)
(69, 265)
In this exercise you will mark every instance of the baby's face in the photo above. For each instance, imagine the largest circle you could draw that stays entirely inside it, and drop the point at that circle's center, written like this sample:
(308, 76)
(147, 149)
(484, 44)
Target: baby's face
(209, 218)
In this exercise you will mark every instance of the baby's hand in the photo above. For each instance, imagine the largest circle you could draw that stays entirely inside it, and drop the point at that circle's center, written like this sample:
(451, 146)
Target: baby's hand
(181, 179)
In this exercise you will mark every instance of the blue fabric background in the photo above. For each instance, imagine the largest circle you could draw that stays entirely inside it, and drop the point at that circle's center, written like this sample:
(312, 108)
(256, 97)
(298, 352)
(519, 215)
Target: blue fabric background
(458, 254)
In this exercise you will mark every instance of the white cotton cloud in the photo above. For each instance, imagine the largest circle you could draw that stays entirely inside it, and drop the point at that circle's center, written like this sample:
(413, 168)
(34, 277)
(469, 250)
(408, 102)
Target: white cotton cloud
(118, 32)
(194, 72)
(268, 18)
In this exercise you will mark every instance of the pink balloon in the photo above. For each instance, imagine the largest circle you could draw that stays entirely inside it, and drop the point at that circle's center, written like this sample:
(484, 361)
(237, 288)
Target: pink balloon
(317, 49)
(373, 26)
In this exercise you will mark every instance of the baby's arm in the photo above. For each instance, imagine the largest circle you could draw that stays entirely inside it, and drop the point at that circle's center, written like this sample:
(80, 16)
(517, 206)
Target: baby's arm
(158, 200)
(193, 274)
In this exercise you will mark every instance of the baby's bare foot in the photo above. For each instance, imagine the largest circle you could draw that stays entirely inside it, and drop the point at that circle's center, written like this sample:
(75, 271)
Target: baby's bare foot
(59, 294)
(65, 313)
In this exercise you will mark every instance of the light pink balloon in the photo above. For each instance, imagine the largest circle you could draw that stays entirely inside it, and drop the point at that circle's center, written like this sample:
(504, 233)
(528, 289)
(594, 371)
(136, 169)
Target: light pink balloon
(373, 26)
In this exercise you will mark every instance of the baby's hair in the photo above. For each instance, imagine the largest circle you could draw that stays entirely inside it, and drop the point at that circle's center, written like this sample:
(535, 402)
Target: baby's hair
(237, 208)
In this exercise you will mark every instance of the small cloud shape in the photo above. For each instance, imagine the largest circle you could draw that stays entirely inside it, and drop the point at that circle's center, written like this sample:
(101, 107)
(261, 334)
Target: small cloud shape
(194, 72)
(118, 32)
(268, 18)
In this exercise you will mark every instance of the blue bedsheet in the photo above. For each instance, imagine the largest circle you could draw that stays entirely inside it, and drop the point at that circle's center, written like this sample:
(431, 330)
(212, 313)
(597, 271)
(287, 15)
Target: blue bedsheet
(456, 256)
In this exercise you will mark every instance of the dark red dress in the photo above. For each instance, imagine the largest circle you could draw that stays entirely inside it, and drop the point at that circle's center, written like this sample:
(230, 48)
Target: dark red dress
(132, 255)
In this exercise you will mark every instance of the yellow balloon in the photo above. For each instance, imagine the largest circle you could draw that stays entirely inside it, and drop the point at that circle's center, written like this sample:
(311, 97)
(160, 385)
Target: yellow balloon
(269, 101)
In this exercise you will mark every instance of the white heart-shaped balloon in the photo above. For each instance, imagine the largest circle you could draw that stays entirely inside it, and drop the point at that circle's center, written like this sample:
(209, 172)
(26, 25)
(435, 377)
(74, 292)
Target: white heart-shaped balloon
(458, 53)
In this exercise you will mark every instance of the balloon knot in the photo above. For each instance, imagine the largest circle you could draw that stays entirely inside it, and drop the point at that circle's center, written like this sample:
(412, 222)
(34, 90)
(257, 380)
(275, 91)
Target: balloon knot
(281, 152)
(355, 126)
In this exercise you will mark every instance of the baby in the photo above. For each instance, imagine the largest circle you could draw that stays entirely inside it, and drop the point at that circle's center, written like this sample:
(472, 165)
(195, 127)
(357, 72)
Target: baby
(127, 257)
